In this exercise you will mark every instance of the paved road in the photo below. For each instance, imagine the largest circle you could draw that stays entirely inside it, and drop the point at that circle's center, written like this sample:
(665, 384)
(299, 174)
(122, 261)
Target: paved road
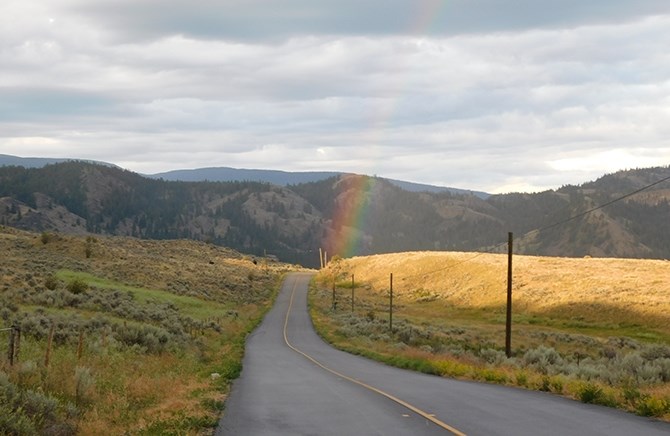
(295, 384)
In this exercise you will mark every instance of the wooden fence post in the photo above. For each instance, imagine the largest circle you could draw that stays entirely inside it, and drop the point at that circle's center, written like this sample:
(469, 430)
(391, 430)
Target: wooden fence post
(17, 344)
(47, 356)
(10, 348)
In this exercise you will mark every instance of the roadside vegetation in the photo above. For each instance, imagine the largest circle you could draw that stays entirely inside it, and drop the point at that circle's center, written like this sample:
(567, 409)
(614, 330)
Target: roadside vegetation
(596, 330)
(120, 335)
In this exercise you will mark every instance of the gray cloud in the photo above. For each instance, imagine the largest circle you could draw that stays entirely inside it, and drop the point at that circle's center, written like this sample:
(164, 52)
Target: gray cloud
(263, 20)
(486, 95)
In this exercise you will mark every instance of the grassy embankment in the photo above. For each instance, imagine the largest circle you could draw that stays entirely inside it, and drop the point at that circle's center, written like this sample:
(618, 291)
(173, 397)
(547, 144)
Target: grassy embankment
(147, 334)
(597, 330)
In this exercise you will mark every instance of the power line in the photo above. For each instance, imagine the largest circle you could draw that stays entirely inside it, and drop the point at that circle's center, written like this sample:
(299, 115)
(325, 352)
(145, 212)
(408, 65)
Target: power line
(574, 217)
(579, 215)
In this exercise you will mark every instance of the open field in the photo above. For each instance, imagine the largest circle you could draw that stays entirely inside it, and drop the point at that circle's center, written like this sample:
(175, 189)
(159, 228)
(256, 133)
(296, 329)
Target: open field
(139, 329)
(593, 329)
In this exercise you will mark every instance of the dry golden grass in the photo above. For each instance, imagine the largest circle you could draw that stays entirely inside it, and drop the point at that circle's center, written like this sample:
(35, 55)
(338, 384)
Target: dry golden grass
(617, 291)
(592, 315)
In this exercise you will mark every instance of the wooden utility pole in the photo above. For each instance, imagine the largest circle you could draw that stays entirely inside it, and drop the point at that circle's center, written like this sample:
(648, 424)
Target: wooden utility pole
(321, 257)
(352, 293)
(508, 327)
(391, 305)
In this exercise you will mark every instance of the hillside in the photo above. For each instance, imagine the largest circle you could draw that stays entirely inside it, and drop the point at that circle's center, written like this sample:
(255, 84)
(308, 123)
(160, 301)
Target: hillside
(344, 215)
(76, 197)
(596, 330)
(138, 328)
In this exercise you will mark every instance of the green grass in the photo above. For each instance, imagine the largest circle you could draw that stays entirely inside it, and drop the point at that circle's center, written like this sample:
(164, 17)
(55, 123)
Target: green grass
(191, 306)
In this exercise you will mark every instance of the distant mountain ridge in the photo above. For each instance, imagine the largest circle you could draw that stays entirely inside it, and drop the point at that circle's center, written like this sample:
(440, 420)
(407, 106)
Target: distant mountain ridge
(39, 162)
(228, 174)
(286, 178)
(293, 222)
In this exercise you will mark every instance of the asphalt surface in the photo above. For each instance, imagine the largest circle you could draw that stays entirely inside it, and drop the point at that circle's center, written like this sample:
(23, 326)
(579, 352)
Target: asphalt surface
(293, 383)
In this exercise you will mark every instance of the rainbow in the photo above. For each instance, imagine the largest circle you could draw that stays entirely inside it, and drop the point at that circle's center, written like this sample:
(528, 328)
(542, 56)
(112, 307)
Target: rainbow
(426, 14)
(349, 222)
(350, 219)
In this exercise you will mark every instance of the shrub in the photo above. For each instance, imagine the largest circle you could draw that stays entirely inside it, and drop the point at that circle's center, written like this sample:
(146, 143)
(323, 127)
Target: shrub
(492, 376)
(494, 357)
(143, 338)
(521, 379)
(656, 352)
(27, 372)
(591, 393)
(542, 359)
(551, 384)
(664, 369)
(51, 282)
(649, 406)
(13, 422)
(77, 286)
(451, 368)
(631, 395)
(45, 238)
(84, 381)
(29, 412)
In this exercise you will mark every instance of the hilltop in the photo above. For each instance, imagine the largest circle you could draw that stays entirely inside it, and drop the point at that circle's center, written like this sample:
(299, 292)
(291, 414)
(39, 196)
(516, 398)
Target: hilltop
(344, 215)
(228, 174)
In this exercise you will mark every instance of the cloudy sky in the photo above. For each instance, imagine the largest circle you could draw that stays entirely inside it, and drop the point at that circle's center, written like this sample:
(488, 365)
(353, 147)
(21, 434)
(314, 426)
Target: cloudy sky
(493, 95)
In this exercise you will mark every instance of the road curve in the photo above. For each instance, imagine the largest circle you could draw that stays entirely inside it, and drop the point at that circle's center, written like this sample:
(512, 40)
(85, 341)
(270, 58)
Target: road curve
(293, 383)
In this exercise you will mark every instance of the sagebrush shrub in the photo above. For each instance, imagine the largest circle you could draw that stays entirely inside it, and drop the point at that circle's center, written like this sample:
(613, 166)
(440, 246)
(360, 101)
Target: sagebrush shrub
(84, 382)
(77, 286)
(51, 282)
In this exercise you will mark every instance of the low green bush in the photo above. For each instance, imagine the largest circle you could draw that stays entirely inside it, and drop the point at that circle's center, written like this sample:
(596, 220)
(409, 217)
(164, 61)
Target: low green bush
(77, 286)
(649, 406)
(591, 393)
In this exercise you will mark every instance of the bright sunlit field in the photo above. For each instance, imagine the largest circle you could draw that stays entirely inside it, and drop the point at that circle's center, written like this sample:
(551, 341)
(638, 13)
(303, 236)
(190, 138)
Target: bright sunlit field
(579, 325)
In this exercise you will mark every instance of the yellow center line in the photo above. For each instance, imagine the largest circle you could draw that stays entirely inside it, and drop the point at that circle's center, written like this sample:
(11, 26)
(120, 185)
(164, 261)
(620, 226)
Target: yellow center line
(430, 417)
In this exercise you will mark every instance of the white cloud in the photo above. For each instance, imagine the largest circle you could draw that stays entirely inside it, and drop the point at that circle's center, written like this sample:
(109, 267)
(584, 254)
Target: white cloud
(609, 161)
